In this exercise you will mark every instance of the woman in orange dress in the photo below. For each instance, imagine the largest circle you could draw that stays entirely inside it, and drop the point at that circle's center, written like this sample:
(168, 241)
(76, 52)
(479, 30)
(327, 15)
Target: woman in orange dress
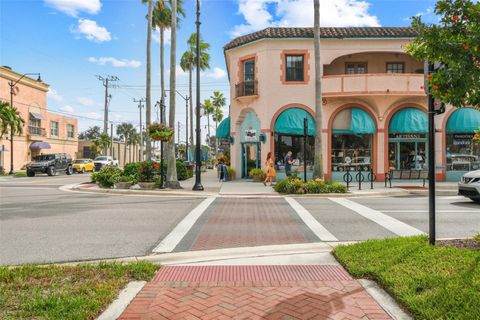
(270, 165)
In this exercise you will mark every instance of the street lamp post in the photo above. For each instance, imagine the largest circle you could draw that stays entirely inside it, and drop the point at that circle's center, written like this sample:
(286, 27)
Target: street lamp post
(162, 180)
(198, 162)
(12, 86)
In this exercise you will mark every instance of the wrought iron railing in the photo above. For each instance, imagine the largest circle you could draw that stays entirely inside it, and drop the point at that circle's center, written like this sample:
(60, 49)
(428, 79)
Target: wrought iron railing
(247, 88)
(37, 131)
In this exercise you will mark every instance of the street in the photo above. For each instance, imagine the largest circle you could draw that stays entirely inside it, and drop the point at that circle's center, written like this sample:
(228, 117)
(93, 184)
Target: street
(40, 223)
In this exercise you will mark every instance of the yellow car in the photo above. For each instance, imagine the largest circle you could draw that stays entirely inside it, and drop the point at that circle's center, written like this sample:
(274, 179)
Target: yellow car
(83, 165)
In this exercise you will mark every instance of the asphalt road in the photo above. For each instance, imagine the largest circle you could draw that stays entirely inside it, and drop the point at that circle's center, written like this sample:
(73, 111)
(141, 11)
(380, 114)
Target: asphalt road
(39, 223)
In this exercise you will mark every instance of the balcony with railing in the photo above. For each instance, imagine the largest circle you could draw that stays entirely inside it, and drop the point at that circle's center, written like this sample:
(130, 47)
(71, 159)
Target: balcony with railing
(373, 84)
(246, 90)
(36, 131)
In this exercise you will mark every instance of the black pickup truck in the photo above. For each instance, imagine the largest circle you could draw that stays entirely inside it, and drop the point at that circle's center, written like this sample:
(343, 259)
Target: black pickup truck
(50, 164)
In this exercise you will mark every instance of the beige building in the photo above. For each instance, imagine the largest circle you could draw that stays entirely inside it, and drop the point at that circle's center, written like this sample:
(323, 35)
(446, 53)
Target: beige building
(374, 104)
(44, 131)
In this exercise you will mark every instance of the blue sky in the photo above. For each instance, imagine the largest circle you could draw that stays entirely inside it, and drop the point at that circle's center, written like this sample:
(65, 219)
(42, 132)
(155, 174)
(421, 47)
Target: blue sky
(71, 41)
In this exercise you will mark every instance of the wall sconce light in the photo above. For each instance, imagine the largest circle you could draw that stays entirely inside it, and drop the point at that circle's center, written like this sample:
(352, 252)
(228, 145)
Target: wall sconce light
(263, 137)
(232, 139)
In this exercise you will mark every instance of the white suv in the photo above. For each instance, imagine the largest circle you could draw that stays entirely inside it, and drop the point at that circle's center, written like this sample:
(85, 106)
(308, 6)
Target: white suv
(469, 185)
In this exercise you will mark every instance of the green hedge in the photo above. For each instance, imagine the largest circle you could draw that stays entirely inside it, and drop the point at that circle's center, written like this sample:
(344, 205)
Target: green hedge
(298, 186)
(107, 176)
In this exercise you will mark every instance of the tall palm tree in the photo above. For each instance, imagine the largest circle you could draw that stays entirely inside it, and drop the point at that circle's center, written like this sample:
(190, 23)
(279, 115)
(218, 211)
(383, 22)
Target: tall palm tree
(218, 101)
(10, 118)
(172, 180)
(207, 107)
(133, 141)
(148, 98)
(162, 19)
(318, 157)
(104, 142)
(124, 130)
(188, 63)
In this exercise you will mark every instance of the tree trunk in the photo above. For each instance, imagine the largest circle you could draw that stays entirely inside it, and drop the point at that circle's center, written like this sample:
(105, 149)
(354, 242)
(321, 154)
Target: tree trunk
(148, 100)
(172, 180)
(191, 110)
(318, 157)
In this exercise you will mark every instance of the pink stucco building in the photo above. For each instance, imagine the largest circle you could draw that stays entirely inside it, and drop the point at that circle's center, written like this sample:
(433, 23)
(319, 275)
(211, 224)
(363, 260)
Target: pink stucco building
(44, 131)
(374, 105)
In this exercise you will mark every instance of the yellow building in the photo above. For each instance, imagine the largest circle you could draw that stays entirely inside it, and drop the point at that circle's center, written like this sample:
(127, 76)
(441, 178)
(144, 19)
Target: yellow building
(44, 131)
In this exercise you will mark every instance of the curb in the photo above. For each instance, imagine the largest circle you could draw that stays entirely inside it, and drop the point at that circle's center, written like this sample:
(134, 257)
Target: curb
(116, 308)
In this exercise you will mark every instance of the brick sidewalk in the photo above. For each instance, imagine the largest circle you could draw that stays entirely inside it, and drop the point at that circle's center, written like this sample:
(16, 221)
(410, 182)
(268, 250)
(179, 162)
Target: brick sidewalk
(253, 292)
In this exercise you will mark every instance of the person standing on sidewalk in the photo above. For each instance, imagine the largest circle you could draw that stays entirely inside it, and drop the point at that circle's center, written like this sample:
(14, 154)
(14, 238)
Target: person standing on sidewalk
(269, 164)
(288, 163)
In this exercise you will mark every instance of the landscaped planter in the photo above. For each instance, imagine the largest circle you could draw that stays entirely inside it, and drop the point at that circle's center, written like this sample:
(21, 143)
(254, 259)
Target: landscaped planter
(123, 185)
(258, 178)
(147, 185)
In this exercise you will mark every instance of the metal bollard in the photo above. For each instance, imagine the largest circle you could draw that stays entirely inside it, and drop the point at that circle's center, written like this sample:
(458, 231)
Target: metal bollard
(360, 178)
(347, 177)
(372, 177)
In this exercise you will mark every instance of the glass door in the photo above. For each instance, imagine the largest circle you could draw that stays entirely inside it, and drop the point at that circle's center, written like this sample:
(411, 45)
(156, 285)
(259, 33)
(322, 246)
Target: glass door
(250, 158)
(407, 155)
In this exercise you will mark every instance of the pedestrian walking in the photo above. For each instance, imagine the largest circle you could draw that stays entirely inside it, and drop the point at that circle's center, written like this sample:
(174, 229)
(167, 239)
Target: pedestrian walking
(223, 171)
(269, 164)
(288, 164)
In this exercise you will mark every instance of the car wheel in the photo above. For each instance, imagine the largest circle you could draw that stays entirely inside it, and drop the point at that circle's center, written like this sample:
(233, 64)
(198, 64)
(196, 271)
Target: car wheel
(51, 171)
(30, 173)
(69, 170)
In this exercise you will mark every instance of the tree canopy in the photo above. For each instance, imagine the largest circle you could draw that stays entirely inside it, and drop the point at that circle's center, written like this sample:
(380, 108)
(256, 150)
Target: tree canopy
(454, 43)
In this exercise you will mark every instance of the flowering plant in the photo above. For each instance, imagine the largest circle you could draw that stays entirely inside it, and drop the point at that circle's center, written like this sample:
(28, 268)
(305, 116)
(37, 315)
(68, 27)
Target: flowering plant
(147, 171)
(160, 132)
(476, 137)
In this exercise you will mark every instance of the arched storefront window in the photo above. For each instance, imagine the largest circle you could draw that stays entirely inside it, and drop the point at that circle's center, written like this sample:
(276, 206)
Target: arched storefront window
(461, 153)
(352, 141)
(289, 137)
(407, 140)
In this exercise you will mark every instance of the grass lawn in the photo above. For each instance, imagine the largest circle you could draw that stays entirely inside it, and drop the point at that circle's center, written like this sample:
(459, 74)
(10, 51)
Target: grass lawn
(20, 174)
(431, 282)
(65, 292)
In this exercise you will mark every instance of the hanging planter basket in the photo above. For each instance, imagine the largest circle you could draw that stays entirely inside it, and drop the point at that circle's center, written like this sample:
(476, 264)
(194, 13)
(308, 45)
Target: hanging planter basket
(160, 132)
(476, 137)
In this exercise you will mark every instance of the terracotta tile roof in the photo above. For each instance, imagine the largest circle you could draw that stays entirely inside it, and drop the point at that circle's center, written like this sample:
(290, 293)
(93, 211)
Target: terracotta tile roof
(329, 33)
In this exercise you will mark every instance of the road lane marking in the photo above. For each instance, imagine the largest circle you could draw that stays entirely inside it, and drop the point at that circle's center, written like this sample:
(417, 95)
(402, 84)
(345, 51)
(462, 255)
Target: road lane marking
(169, 243)
(398, 227)
(319, 230)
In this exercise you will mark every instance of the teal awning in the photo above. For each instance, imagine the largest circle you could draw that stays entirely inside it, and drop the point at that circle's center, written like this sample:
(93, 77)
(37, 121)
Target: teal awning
(290, 122)
(354, 121)
(223, 129)
(409, 120)
(464, 120)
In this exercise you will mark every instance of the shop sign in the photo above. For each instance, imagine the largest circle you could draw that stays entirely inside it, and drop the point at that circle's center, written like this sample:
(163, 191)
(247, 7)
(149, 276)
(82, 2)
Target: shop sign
(251, 135)
(407, 136)
(462, 139)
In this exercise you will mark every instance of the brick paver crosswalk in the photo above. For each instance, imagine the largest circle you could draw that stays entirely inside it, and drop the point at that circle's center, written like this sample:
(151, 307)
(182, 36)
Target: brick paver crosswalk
(303, 292)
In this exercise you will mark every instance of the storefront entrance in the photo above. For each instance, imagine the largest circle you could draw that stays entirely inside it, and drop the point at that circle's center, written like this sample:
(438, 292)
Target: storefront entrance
(250, 157)
(406, 154)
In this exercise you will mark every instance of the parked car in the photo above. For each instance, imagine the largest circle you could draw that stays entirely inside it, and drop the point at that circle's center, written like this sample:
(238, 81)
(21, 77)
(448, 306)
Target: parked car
(103, 161)
(469, 185)
(83, 165)
(50, 164)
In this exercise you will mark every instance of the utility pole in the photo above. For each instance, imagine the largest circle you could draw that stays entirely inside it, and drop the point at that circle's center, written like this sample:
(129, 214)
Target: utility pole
(198, 162)
(140, 106)
(178, 133)
(186, 128)
(111, 139)
(105, 81)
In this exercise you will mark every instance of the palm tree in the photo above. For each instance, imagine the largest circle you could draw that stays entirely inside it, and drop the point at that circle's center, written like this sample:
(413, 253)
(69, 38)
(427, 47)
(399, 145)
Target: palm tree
(162, 19)
(124, 131)
(218, 101)
(133, 141)
(103, 141)
(172, 180)
(207, 111)
(188, 62)
(318, 157)
(148, 98)
(10, 118)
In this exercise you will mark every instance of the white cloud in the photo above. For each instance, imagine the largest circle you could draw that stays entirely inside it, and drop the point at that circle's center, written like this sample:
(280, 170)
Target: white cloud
(67, 108)
(53, 94)
(166, 36)
(260, 14)
(92, 31)
(73, 7)
(87, 102)
(117, 63)
(92, 115)
(216, 73)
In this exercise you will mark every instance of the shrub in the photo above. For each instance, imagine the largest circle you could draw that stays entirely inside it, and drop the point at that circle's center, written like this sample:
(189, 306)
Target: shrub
(183, 173)
(125, 178)
(231, 173)
(107, 176)
(2, 171)
(257, 174)
(297, 186)
(147, 171)
(131, 169)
